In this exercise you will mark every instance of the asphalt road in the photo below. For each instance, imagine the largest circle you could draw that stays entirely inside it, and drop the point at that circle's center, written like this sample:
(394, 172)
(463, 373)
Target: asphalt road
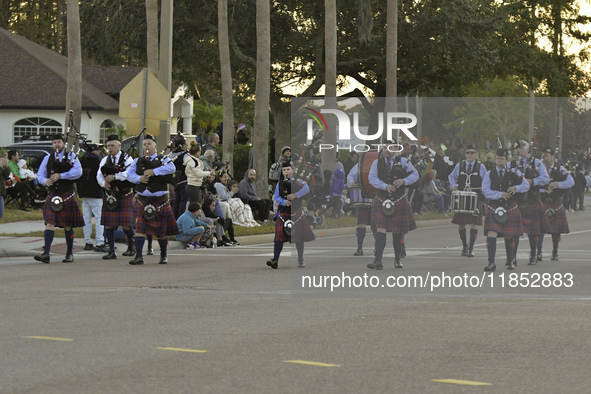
(222, 321)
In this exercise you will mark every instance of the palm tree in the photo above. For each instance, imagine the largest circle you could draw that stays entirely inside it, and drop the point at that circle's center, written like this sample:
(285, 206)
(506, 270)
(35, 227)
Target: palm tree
(226, 71)
(74, 87)
(152, 35)
(330, 37)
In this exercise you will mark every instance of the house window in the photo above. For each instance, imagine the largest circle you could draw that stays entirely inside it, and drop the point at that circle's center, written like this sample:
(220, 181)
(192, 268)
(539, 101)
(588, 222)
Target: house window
(107, 128)
(36, 129)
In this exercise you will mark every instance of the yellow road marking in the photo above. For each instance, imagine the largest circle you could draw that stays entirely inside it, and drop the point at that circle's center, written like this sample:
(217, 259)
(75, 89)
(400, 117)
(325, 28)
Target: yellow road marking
(311, 363)
(174, 349)
(52, 339)
(464, 382)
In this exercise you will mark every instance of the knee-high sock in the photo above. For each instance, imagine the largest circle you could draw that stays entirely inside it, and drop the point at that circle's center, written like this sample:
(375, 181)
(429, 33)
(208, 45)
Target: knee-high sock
(139, 245)
(540, 242)
(69, 240)
(473, 236)
(300, 248)
(129, 233)
(491, 245)
(360, 237)
(516, 243)
(277, 250)
(509, 248)
(463, 236)
(163, 246)
(48, 236)
(110, 235)
(380, 245)
(533, 242)
(397, 240)
(555, 241)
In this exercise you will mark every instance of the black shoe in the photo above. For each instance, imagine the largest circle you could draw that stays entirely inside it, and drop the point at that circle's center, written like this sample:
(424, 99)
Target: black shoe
(490, 267)
(470, 253)
(397, 263)
(465, 251)
(235, 243)
(403, 251)
(163, 260)
(376, 265)
(272, 263)
(150, 251)
(511, 266)
(68, 259)
(539, 258)
(533, 260)
(101, 248)
(137, 261)
(554, 256)
(88, 247)
(224, 243)
(25, 209)
(359, 252)
(43, 257)
(129, 252)
(110, 256)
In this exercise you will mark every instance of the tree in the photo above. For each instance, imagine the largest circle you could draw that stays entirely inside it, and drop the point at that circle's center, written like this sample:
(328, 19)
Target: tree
(226, 75)
(74, 87)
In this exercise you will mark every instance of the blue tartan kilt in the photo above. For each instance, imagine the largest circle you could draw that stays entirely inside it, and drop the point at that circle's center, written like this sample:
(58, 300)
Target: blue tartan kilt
(124, 216)
(70, 216)
(301, 232)
(537, 222)
(558, 224)
(468, 218)
(363, 215)
(513, 227)
(162, 226)
(401, 222)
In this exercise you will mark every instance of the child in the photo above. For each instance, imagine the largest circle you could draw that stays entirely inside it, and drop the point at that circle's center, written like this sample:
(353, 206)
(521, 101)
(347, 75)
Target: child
(191, 229)
(336, 190)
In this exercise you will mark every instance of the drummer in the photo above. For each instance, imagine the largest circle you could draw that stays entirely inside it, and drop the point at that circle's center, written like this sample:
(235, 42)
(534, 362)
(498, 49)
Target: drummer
(363, 213)
(502, 215)
(551, 195)
(467, 176)
(391, 211)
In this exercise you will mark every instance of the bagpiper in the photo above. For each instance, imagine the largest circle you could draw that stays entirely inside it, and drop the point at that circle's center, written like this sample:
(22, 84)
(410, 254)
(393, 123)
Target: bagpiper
(560, 180)
(363, 213)
(503, 217)
(467, 176)
(152, 173)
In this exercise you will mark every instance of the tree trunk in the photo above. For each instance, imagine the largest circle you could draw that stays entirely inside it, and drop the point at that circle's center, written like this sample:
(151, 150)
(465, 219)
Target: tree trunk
(330, 32)
(226, 71)
(282, 113)
(152, 34)
(391, 60)
(263, 85)
(74, 89)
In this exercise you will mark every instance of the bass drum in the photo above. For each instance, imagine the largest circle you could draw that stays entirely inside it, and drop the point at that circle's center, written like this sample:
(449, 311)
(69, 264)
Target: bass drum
(366, 159)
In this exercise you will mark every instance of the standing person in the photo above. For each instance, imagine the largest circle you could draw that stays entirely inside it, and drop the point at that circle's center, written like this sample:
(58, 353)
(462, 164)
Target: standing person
(467, 176)
(350, 163)
(442, 169)
(579, 188)
(178, 154)
(285, 155)
(317, 189)
(4, 174)
(154, 216)
(363, 214)
(336, 191)
(112, 177)
(533, 216)
(195, 171)
(213, 143)
(503, 218)
(560, 180)
(92, 197)
(59, 171)
(261, 207)
(289, 193)
(389, 175)
(458, 155)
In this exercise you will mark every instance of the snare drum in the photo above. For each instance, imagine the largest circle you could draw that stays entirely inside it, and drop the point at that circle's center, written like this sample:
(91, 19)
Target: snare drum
(464, 202)
(357, 199)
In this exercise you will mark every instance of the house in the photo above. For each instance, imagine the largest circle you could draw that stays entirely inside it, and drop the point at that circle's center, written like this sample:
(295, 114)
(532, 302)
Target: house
(33, 81)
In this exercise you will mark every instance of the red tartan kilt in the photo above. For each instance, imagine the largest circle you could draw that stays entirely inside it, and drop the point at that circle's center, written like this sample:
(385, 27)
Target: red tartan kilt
(513, 227)
(162, 226)
(301, 232)
(468, 218)
(401, 222)
(559, 224)
(124, 216)
(537, 223)
(363, 215)
(70, 216)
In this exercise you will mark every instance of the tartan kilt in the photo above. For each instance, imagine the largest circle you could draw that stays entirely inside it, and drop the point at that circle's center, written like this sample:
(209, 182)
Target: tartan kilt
(537, 223)
(162, 226)
(401, 222)
(559, 224)
(70, 216)
(301, 232)
(513, 227)
(363, 215)
(124, 216)
(468, 218)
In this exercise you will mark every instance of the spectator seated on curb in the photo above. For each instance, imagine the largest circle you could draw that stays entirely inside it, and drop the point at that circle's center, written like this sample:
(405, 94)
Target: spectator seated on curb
(221, 224)
(227, 192)
(191, 229)
(260, 207)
